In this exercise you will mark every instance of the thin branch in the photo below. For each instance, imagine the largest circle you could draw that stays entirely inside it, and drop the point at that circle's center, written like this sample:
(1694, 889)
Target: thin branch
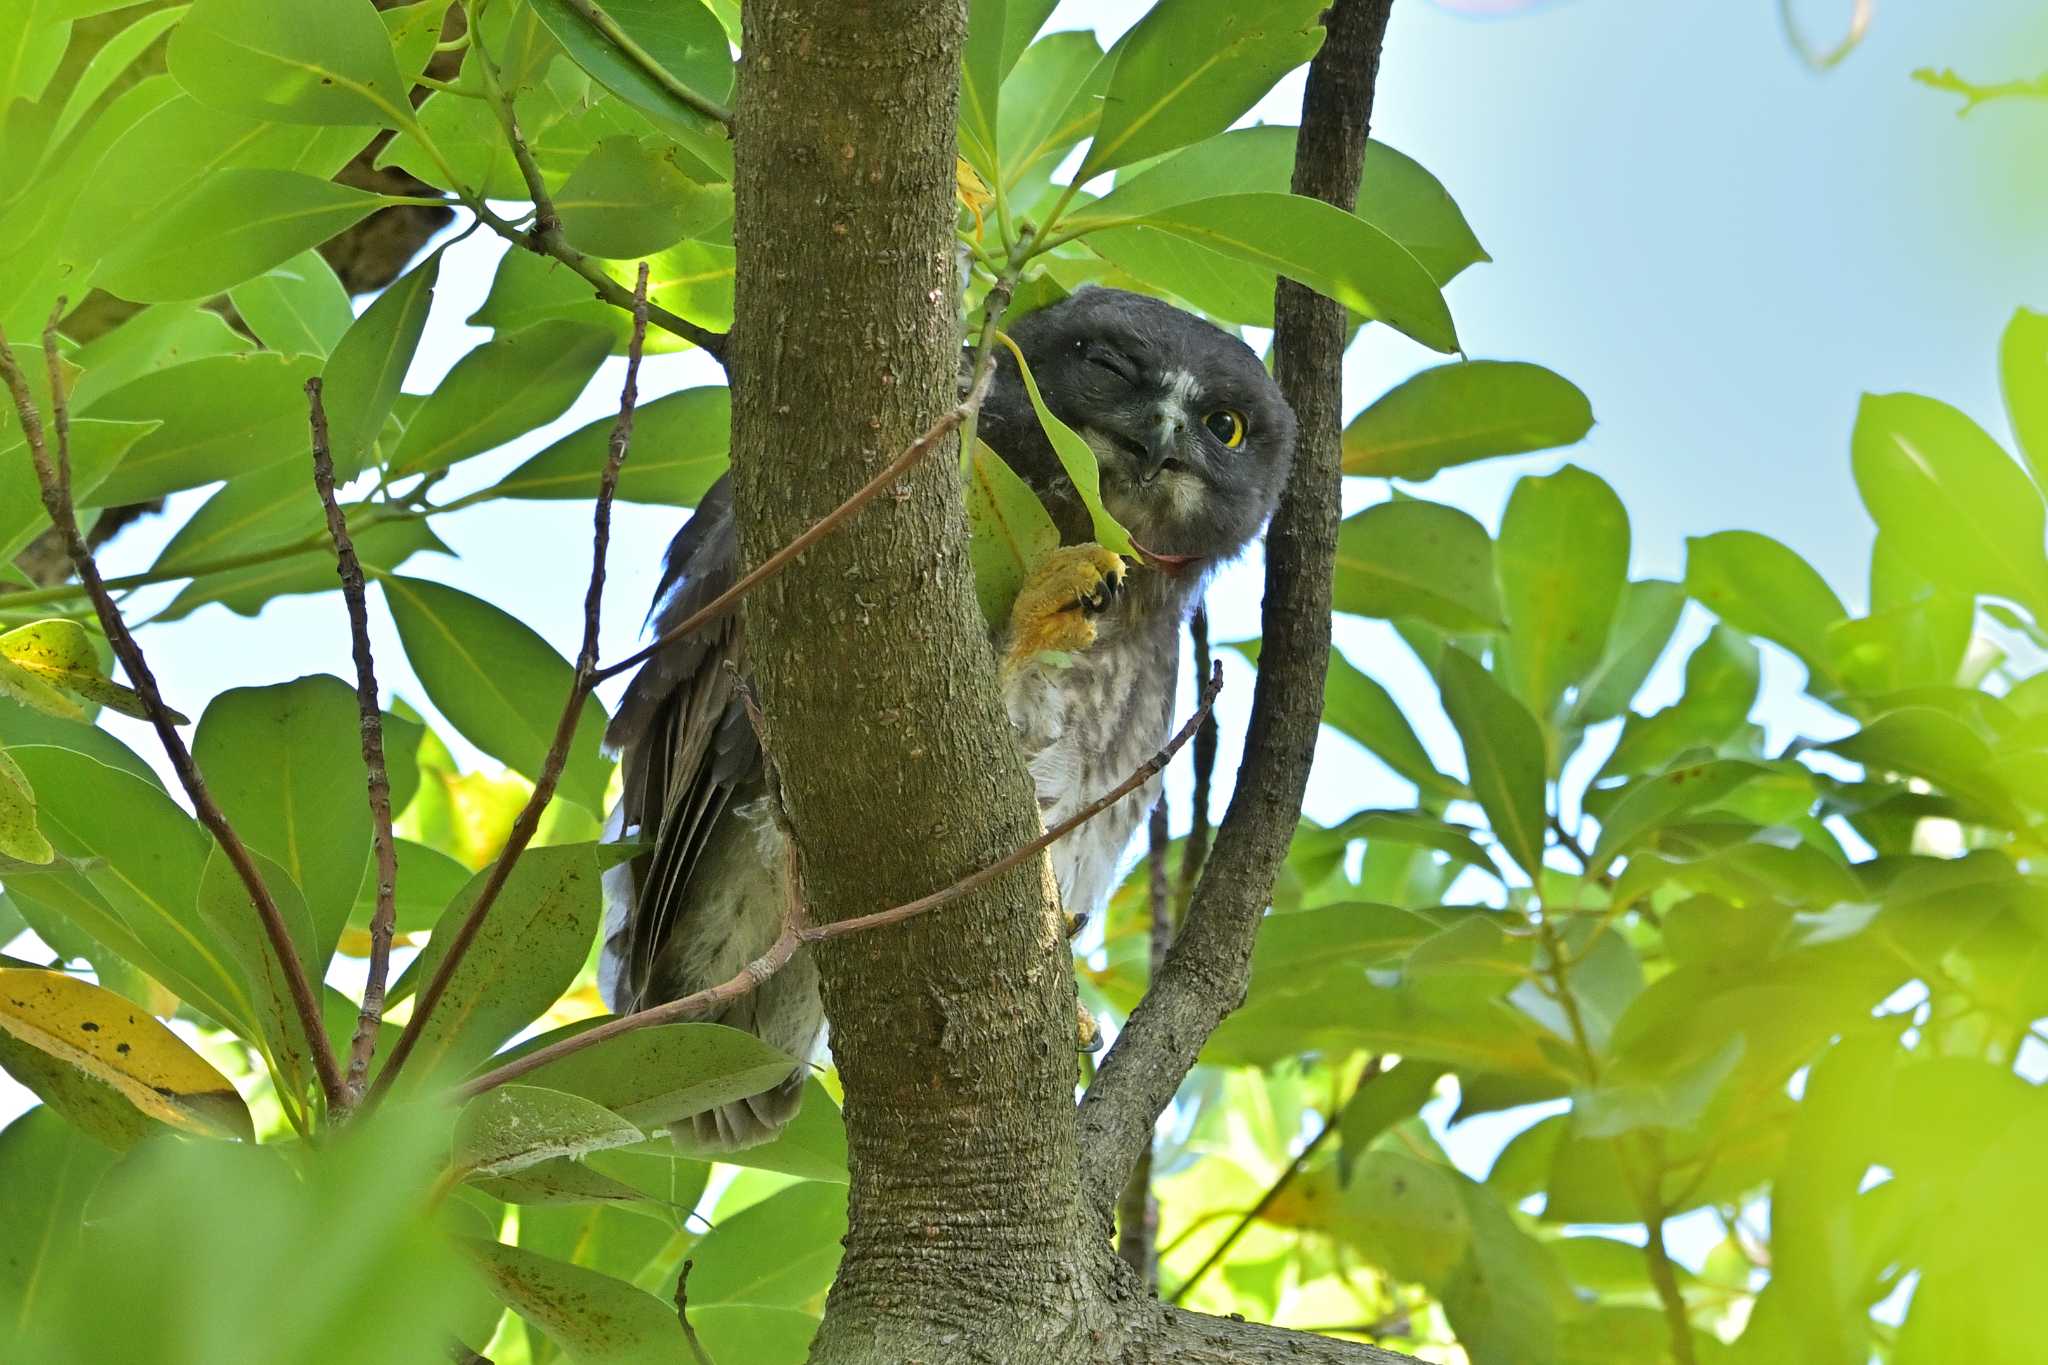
(1206, 972)
(1137, 1213)
(55, 479)
(796, 931)
(528, 820)
(1196, 852)
(948, 422)
(974, 881)
(697, 1351)
(384, 919)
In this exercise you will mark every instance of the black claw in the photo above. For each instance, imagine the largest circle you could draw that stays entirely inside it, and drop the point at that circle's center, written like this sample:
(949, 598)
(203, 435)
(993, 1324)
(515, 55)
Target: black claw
(1098, 598)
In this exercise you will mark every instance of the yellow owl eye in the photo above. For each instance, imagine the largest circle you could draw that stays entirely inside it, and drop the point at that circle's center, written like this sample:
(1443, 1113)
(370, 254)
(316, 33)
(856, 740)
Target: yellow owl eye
(1227, 426)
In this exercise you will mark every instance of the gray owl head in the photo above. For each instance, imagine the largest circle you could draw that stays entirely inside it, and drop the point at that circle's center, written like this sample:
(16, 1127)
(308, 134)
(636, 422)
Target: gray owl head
(1191, 433)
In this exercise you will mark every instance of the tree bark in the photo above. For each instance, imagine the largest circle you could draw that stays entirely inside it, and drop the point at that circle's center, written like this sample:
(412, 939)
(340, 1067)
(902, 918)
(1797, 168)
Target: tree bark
(954, 1033)
(970, 1238)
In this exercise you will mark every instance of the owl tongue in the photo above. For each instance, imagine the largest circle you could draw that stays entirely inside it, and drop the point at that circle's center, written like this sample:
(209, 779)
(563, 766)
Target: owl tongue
(1172, 564)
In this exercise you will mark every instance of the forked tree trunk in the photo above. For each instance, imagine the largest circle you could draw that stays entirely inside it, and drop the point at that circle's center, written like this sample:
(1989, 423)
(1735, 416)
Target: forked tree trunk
(953, 1033)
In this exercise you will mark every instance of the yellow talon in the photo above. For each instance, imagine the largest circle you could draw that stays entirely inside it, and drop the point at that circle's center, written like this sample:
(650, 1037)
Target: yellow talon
(1057, 607)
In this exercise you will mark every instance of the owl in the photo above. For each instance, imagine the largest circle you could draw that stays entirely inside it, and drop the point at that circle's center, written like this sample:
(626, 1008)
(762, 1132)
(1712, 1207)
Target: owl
(1193, 440)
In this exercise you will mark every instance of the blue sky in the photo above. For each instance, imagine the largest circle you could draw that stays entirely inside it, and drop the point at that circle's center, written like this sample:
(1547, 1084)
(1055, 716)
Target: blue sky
(1722, 247)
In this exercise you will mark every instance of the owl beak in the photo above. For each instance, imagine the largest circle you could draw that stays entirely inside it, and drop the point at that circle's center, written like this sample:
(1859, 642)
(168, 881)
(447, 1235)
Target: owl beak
(1161, 447)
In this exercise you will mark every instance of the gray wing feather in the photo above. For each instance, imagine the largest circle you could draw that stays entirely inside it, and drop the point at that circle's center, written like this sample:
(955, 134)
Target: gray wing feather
(689, 754)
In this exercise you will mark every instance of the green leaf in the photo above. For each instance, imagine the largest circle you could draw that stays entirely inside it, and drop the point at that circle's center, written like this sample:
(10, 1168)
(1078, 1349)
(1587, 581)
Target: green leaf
(221, 416)
(500, 683)
(681, 45)
(245, 591)
(1335, 253)
(19, 837)
(559, 1180)
(1721, 681)
(114, 57)
(314, 61)
(781, 1252)
(97, 448)
(1562, 561)
(981, 78)
(161, 335)
(517, 1126)
(250, 221)
(1954, 505)
(753, 1333)
(1758, 585)
(270, 507)
(1077, 457)
(1355, 705)
(527, 952)
(298, 308)
(1641, 630)
(285, 763)
(502, 389)
(596, 1319)
(664, 1074)
(629, 198)
(1379, 1104)
(1455, 414)
(368, 363)
(1050, 101)
(228, 913)
(32, 43)
(1189, 68)
(1656, 800)
(53, 1169)
(2023, 375)
(1010, 531)
(679, 449)
(1503, 756)
(1420, 559)
(1397, 196)
(812, 1145)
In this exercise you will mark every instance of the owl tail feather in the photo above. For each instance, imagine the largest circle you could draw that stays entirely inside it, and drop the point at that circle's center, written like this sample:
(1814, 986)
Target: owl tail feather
(743, 1123)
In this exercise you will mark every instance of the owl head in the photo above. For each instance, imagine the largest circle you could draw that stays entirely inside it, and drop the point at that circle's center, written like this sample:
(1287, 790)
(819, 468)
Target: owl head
(1191, 433)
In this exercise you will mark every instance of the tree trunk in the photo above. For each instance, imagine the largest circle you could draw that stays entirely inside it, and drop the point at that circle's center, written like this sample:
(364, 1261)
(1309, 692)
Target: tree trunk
(954, 1033)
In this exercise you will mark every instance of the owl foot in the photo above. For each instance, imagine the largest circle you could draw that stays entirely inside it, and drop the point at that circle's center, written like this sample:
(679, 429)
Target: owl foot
(1056, 610)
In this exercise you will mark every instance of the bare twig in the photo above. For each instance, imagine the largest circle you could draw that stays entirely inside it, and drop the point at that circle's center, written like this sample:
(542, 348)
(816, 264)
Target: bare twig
(796, 931)
(1196, 851)
(1205, 973)
(384, 919)
(528, 820)
(948, 422)
(1137, 1213)
(54, 479)
(697, 1351)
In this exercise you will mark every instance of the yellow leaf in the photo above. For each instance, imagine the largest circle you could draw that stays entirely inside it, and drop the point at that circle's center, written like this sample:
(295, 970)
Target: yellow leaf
(59, 654)
(114, 1041)
(972, 191)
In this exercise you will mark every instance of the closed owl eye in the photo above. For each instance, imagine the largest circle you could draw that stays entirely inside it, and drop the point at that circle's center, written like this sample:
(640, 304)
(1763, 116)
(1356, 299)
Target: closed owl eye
(1226, 425)
(1104, 359)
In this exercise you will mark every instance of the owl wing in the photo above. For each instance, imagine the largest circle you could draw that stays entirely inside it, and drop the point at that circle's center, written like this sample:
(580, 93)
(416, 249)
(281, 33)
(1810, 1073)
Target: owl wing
(688, 755)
